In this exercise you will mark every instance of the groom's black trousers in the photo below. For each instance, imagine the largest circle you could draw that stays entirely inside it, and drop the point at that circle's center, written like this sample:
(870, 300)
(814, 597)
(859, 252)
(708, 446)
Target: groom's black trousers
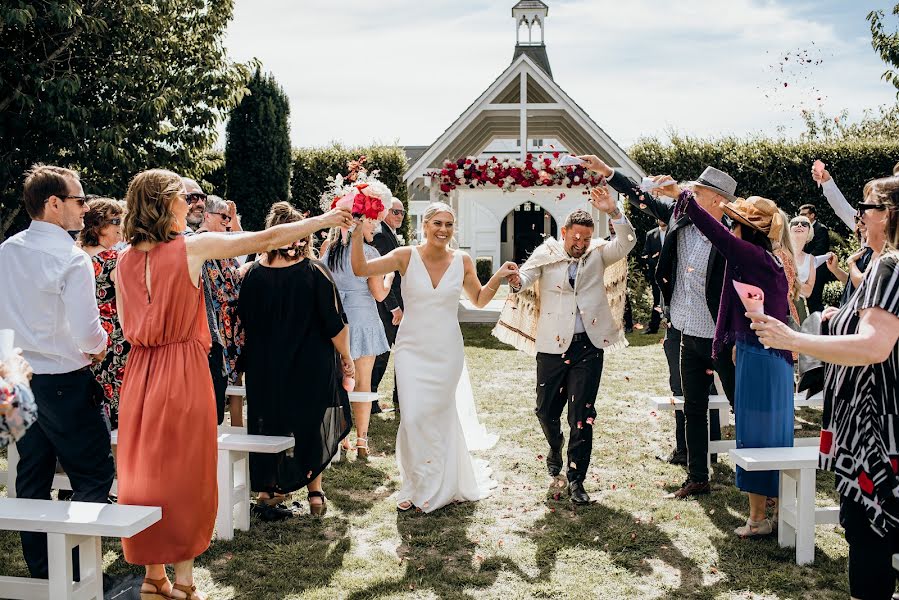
(570, 379)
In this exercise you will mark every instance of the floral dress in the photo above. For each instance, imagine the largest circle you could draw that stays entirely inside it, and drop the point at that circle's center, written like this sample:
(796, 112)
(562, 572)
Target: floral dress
(22, 415)
(110, 372)
(222, 279)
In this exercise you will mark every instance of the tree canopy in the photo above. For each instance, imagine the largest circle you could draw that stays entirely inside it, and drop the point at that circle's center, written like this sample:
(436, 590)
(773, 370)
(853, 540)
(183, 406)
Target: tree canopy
(111, 87)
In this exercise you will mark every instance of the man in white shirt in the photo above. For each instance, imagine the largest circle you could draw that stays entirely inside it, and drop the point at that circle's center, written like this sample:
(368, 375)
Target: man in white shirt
(52, 308)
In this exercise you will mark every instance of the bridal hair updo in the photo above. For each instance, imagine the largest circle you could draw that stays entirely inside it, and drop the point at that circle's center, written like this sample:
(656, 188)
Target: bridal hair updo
(433, 209)
(281, 213)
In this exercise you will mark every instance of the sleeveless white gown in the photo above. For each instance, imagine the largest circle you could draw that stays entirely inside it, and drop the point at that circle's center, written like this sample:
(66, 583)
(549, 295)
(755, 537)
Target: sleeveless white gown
(438, 421)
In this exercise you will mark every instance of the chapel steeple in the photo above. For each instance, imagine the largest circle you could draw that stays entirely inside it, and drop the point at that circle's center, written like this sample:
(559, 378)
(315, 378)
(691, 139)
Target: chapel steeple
(530, 28)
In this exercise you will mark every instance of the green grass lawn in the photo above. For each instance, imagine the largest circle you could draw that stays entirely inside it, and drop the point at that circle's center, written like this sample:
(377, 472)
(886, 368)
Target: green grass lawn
(520, 542)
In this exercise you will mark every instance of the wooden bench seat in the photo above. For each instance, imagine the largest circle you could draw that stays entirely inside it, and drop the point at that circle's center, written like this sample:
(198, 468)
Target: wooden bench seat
(797, 515)
(70, 525)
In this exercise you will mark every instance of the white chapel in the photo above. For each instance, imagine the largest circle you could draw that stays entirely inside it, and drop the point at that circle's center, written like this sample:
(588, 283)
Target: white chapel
(525, 104)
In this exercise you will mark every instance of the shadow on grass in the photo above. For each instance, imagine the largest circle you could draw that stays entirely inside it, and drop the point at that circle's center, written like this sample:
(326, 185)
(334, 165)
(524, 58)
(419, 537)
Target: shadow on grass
(439, 557)
(478, 336)
(352, 485)
(630, 543)
(275, 560)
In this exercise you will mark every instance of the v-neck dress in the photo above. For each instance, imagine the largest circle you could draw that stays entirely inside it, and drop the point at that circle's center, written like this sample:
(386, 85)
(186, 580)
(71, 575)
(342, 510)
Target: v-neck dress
(167, 419)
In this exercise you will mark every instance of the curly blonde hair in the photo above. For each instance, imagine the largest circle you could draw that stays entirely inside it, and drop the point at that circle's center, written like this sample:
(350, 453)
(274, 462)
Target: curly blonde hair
(101, 211)
(149, 202)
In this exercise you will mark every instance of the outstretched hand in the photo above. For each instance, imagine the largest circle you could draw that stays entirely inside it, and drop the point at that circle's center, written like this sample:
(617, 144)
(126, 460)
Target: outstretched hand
(336, 217)
(602, 200)
(772, 333)
(594, 163)
(667, 186)
(508, 269)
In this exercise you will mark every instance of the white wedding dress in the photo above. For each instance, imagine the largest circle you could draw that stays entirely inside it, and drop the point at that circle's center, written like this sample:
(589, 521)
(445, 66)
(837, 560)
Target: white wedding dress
(438, 421)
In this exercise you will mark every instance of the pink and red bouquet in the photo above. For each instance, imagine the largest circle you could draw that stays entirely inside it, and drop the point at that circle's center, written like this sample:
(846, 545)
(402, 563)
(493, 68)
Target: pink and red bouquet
(509, 174)
(360, 192)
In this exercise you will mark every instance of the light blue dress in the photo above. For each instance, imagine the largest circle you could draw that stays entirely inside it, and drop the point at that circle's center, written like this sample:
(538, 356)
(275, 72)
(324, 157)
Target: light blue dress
(367, 337)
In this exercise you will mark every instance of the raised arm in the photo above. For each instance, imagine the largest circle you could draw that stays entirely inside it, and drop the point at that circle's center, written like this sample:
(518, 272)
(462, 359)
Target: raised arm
(657, 208)
(395, 260)
(201, 248)
(835, 198)
(478, 294)
(809, 285)
(732, 248)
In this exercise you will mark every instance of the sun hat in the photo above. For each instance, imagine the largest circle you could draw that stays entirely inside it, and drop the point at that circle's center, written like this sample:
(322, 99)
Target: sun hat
(758, 213)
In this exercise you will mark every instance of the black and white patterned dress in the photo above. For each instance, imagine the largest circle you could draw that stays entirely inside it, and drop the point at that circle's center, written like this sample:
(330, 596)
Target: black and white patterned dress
(860, 438)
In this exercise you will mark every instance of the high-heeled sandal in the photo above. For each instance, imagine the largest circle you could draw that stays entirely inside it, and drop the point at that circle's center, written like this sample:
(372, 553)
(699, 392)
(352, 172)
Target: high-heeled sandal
(317, 509)
(190, 590)
(362, 447)
(157, 593)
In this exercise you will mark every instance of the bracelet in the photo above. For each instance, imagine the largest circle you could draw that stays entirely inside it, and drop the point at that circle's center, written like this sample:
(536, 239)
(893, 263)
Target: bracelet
(491, 288)
(615, 214)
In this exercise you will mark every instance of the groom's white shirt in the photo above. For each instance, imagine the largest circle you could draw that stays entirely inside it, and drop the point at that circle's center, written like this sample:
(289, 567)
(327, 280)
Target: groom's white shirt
(560, 303)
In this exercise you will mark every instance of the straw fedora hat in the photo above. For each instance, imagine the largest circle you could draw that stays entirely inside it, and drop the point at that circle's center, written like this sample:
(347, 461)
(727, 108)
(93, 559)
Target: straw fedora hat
(758, 213)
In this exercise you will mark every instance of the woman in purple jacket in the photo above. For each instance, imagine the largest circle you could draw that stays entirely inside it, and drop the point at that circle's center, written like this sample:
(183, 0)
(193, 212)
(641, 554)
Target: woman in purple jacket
(763, 403)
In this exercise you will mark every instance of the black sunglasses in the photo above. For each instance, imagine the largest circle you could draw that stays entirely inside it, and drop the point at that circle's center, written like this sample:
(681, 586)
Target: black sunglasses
(226, 218)
(397, 211)
(81, 200)
(862, 207)
(194, 197)
(803, 224)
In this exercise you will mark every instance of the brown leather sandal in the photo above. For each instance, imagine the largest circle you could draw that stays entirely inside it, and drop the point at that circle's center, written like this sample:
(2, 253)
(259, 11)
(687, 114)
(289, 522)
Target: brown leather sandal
(190, 590)
(317, 509)
(157, 593)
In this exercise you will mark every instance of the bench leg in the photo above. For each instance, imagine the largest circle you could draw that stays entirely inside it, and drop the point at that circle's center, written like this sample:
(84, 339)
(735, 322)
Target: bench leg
(805, 517)
(786, 533)
(59, 561)
(242, 478)
(12, 466)
(91, 558)
(224, 520)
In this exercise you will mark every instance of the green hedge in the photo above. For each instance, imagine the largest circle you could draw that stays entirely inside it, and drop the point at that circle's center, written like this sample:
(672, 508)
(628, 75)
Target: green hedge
(484, 266)
(776, 169)
(313, 166)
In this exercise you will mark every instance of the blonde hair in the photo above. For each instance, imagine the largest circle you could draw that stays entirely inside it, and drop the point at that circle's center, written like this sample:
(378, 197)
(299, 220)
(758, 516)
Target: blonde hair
(798, 219)
(784, 247)
(433, 209)
(149, 199)
(97, 217)
(279, 214)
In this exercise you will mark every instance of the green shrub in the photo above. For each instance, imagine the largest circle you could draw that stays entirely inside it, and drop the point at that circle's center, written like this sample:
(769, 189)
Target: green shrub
(639, 290)
(832, 293)
(313, 166)
(484, 266)
(776, 169)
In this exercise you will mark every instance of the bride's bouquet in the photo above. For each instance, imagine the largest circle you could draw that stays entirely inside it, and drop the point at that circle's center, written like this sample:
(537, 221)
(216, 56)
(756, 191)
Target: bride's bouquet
(361, 192)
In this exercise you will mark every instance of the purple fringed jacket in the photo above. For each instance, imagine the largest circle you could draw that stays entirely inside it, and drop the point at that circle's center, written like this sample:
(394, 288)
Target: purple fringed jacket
(746, 263)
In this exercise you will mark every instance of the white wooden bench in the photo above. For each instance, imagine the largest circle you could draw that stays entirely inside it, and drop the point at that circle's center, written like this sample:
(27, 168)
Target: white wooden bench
(797, 515)
(234, 476)
(234, 446)
(721, 404)
(70, 525)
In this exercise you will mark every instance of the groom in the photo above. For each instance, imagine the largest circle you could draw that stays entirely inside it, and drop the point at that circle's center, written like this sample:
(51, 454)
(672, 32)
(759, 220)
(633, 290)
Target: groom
(574, 328)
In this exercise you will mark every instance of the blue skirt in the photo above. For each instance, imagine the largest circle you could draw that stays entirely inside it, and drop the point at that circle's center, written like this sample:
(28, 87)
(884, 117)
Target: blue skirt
(763, 409)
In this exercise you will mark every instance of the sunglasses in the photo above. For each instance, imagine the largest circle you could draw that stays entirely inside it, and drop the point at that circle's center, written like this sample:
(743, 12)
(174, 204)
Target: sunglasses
(803, 224)
(115, 221)
(397, 211)
(81, 200)
(862, 207)
(194, 197)
(225, 218)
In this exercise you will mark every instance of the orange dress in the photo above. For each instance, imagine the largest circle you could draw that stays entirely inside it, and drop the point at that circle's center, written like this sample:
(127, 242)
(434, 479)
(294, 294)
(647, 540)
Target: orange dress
(167, 448)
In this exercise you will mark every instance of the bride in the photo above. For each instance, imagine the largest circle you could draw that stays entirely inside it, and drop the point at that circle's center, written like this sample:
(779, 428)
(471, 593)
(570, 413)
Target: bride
(438, 422)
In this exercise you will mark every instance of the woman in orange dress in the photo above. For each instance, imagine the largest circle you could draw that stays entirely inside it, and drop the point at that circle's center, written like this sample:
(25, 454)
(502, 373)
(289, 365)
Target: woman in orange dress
(167, 417)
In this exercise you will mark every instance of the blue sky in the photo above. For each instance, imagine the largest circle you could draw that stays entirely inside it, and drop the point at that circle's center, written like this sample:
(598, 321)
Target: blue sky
(359, 71)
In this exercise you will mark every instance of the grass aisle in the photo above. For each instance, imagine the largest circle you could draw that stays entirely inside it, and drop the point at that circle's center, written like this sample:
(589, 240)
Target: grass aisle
(520, 543)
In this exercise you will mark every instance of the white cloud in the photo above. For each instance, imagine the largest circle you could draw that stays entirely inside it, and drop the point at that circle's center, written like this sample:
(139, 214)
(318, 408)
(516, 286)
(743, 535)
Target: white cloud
(358, 71)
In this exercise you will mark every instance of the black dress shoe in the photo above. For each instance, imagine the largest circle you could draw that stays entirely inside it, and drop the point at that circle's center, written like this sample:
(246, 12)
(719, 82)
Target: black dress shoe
(554, 462)
(375, 407)
(678, 457)
(578, 494)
